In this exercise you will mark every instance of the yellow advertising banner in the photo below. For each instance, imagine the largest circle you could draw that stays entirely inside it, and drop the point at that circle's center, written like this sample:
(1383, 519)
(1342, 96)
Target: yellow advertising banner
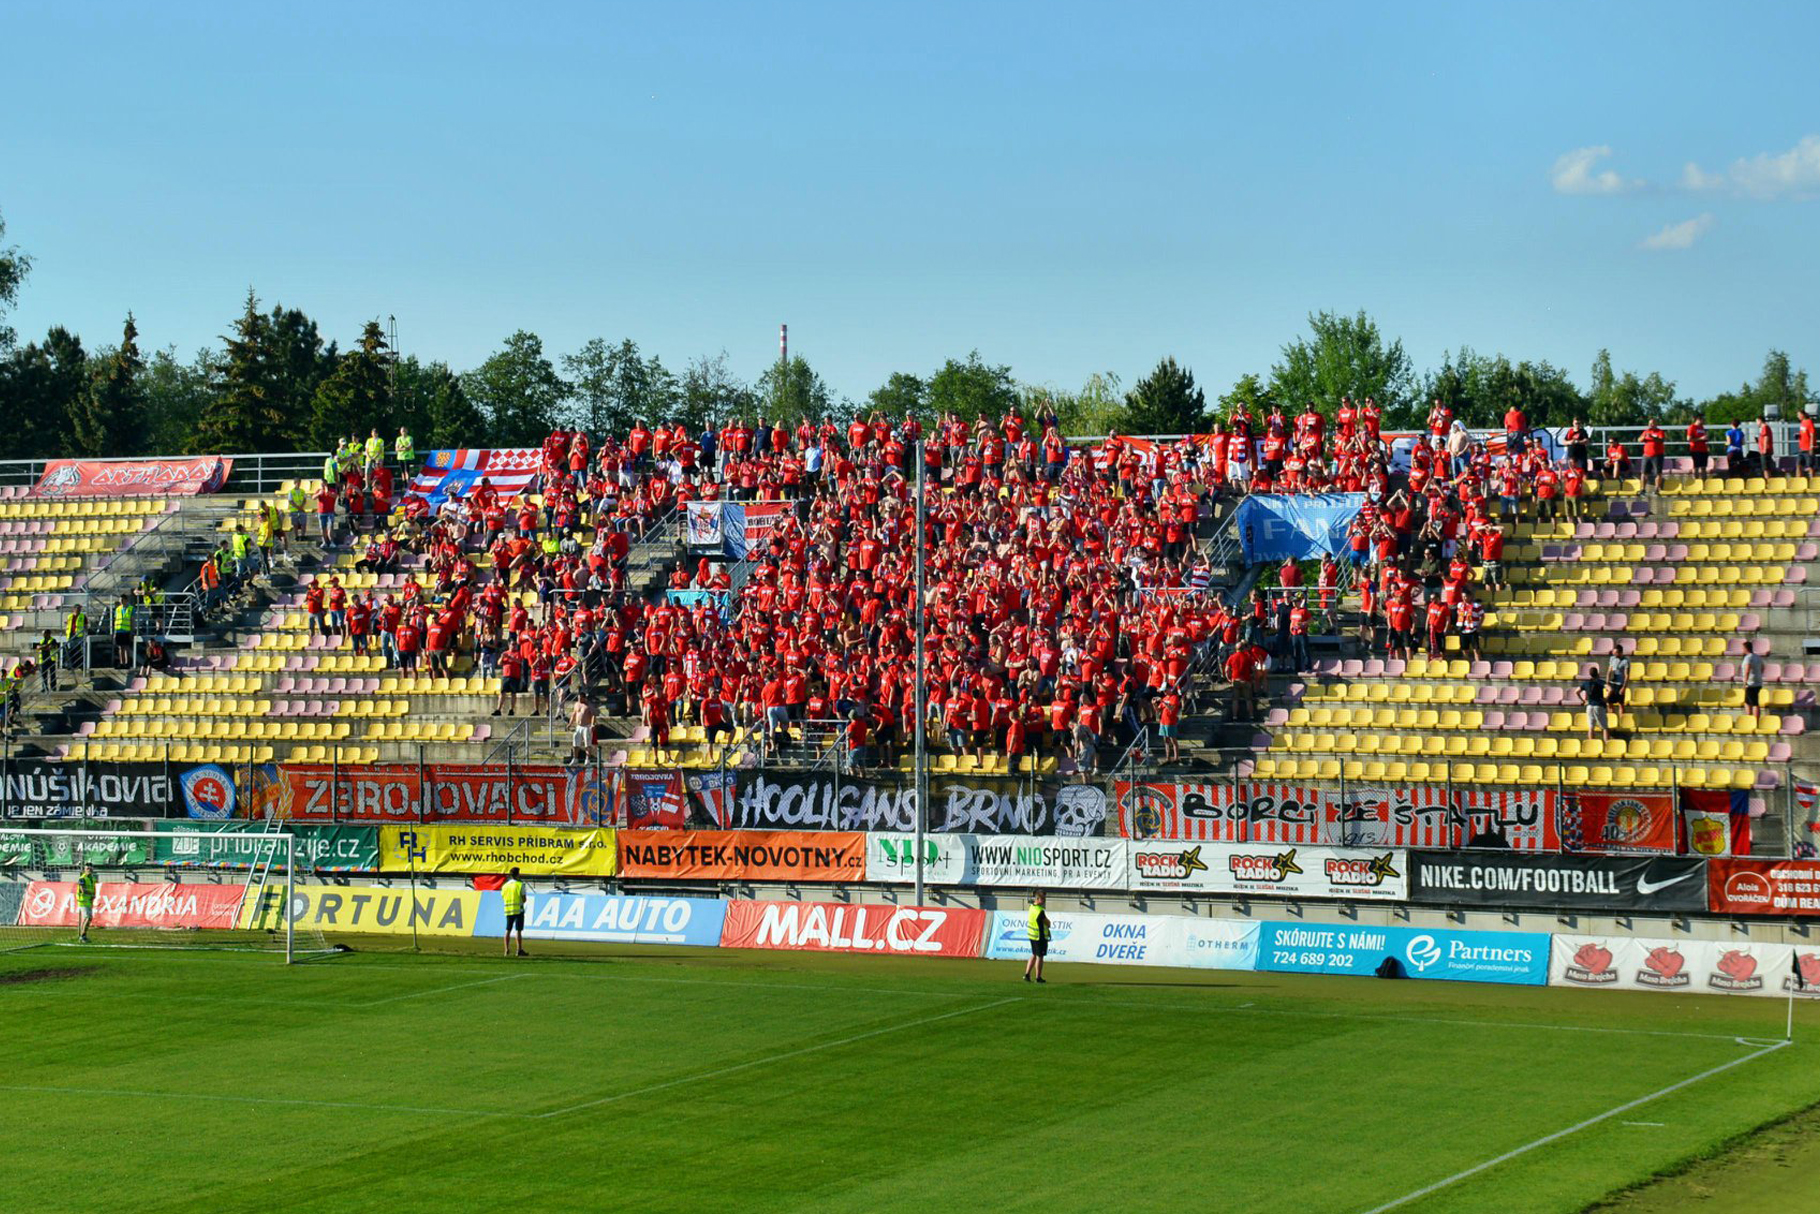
(366, 909)
(535, 851)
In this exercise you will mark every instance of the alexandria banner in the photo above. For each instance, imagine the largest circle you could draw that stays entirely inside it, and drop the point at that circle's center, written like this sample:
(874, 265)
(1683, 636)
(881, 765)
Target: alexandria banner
(1241, 868)
(742, 855)
(1519, 958)
(133, 477)
(1686, 967)
(521, 795)
(120, 904)
(1177, 940)
(823, 801)
(840, 927)
(1572, 882)
(1738, 886)
(1366, 816)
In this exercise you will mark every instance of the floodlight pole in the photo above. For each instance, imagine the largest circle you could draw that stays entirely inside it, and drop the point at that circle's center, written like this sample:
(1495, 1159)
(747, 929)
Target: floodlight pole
(921, 768)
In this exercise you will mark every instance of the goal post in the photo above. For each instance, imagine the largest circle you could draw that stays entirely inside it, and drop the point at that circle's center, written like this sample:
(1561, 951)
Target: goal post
(151, 889)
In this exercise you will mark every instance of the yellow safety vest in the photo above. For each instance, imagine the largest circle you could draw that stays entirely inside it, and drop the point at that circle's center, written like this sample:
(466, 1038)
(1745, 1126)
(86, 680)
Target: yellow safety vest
(1036, 925)
(405, 448)
(512, 893)
(375, 449)
(123, 618)
(76, 625)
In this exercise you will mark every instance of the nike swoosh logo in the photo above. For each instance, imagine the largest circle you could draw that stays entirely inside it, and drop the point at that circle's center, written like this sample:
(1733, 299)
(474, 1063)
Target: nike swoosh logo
(1646, 886)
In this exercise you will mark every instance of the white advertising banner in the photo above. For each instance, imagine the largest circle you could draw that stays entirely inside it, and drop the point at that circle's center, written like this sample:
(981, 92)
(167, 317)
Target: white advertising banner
(1039, 862)
(1177, 940)
(1262, 868)
(1687, 967)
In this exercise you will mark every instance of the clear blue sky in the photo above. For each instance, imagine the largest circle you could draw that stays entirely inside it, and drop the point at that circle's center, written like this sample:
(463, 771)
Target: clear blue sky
(1067, 187)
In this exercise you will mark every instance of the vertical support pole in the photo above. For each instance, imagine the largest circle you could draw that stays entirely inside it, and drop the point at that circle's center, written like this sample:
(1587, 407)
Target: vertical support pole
(290, 892)
(921, 768)
(423, 786)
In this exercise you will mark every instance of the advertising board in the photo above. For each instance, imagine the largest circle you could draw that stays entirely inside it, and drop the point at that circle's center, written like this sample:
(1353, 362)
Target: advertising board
(743, 855)
(608, 917)
(1292, 871)
(1175, 940)
(1518, 958)
(366, 910)
(123, 904)
(533, 850)
(1737, 886)
(1565, 882)
(840, 927)
(1689, 967)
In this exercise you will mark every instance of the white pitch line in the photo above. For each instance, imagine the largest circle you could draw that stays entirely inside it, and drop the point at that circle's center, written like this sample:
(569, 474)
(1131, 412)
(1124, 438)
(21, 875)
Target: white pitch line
(1572, 1129)
(441, 990)
(274, 1100)
(767, 1061)
(1654, 1124)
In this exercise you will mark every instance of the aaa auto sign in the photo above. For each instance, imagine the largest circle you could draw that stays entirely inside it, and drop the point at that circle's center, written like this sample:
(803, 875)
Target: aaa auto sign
(839, 927)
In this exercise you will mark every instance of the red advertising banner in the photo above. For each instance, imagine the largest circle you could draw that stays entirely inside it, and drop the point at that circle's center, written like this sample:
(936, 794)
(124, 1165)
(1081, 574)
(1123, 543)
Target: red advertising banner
(743, 855)
(117, 904)
(529, 796)
(133, 477)
(839, 927)
(654, 800)
(1366, 816)
(1736, 886)
(1625, 822)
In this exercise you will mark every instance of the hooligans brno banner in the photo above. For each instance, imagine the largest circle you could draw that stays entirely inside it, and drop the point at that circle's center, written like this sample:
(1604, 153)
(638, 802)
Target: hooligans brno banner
(957, 805)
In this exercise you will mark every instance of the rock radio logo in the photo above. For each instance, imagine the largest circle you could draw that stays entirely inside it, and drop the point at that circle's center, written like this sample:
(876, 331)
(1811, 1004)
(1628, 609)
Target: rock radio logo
(1367, 872)
(1171, 865)
(1256, 867)
(1591, 965)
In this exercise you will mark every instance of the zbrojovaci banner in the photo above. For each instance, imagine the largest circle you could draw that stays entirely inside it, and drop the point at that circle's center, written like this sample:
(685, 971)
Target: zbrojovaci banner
(1520, 958)
(620, 920)
(1179, 940)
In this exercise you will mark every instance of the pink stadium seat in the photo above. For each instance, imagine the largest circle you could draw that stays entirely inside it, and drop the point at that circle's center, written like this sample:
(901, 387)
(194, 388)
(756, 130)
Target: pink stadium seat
(1478, 670)
(1607, 531)
(1374, 667)
(1573, 622)
(1494, 722)
(1793, 726)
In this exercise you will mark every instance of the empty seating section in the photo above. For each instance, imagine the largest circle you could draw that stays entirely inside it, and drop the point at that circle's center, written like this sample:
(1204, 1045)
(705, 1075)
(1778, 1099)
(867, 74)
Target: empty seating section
(1684, 581)
(47, 545)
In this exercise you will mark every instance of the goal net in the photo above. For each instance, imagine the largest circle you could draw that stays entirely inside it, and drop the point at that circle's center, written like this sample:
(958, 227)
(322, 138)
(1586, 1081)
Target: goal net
(149, 889)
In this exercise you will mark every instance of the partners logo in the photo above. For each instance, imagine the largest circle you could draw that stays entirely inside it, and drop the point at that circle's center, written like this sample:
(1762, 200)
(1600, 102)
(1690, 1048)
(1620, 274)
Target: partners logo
(1421, 952)
(1262, 868)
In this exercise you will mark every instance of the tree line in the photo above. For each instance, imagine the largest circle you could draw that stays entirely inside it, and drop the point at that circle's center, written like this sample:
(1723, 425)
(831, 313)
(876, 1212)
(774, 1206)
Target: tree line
(276, 383)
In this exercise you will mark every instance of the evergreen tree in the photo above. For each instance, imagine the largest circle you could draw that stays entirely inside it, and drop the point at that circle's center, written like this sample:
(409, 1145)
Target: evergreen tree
(109, 419)
(356, 397)
(300, 362)
(246, 412)
(1167, 401)
(14, 266)
(794, 392)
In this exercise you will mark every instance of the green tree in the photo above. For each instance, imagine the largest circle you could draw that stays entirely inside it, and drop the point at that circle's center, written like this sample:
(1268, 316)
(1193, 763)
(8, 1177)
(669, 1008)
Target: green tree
(40, 384)
(615, 387)
(175, 395)
(972, 389)
(300, 362)
(518, 391)
(902, 395)
(357, 396)
(1167, 401)
(429, 401)
(710, 392)
(791, 393)
(1097, 408)
(109, 419)
(1249, 394)
(14, 266)
(1625, 399)
(246, 410)
(1346, 356)
(1481, 389)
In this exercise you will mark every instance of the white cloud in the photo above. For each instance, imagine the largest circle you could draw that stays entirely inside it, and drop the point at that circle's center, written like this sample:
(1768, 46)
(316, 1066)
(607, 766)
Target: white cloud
(1680, 235)
(1573, 174)
(1693, 177)
(1791, 174)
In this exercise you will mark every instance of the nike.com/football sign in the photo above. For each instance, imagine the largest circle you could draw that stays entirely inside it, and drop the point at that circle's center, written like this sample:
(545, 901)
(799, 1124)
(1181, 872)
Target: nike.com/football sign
(1636, 883)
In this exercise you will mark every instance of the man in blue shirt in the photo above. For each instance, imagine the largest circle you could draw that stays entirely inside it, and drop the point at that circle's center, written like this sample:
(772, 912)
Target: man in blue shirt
(1734, 449)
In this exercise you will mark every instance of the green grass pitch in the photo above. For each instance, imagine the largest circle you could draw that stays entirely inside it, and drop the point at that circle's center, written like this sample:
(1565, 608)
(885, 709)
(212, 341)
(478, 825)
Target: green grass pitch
(685, 1080)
